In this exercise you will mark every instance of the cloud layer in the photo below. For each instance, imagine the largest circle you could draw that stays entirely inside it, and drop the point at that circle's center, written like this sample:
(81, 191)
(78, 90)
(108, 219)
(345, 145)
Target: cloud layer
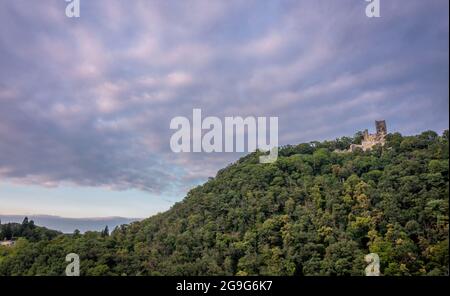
(88, 101)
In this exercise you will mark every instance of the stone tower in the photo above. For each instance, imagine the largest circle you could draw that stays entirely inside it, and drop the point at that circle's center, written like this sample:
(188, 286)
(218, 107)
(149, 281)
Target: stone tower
(381, 127)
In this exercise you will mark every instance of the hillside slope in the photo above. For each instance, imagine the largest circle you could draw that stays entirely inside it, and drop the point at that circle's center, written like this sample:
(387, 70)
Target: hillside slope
(312, 212)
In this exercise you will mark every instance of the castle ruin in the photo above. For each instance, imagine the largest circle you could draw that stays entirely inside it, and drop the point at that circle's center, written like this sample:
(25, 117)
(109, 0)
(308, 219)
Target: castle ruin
(370, 140)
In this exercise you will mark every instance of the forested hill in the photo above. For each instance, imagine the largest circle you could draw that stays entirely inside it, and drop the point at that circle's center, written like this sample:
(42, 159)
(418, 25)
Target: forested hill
(27, 229)
(312, 212)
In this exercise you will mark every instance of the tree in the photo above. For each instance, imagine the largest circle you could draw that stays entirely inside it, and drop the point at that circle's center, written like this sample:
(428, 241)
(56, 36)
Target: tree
(105, 232)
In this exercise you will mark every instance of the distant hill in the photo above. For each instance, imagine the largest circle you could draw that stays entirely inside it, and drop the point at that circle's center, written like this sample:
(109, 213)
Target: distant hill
(26, 230)
(68, 225)
(312, 212)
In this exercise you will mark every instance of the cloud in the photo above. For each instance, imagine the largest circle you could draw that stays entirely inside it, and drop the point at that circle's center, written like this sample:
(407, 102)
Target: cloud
(88, 101)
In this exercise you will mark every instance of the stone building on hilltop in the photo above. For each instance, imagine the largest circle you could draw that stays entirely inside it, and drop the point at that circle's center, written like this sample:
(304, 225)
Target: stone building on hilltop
(370, 140)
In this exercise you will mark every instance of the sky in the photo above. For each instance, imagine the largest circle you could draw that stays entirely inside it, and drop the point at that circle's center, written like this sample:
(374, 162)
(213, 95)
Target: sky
(86, 103)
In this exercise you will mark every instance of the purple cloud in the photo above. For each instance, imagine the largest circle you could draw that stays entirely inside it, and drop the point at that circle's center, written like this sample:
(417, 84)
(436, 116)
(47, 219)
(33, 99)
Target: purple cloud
(88, 101)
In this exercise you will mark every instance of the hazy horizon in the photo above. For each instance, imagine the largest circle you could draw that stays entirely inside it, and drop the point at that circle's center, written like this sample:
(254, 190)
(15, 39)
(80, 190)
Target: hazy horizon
(67, 224)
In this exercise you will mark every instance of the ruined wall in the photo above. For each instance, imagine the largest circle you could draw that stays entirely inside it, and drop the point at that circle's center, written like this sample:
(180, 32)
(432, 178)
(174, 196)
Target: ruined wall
(370, 140)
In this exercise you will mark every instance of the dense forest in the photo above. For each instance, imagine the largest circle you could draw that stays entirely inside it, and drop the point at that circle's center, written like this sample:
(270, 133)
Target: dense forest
(312, 212)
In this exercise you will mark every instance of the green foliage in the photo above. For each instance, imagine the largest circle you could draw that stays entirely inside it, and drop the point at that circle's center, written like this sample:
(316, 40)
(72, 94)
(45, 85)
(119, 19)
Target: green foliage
(312, 212)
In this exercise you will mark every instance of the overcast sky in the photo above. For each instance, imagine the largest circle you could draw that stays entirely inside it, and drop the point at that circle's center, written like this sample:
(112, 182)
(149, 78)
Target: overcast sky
(86, 103)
